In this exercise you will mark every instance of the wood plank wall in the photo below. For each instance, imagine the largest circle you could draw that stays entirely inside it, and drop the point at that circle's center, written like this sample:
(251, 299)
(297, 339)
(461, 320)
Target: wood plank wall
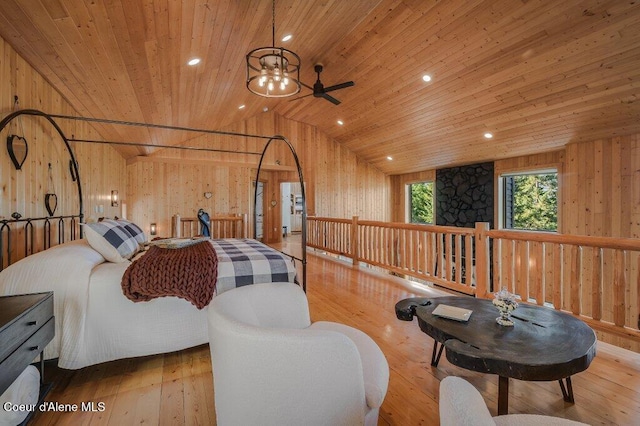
(161, 188)
(338, 183)
(101, 168)
(602, 188)
(599, 185)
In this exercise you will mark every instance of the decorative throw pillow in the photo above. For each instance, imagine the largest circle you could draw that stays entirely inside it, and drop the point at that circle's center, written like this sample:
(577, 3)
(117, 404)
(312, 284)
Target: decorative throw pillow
(134, 230)
(111, 240)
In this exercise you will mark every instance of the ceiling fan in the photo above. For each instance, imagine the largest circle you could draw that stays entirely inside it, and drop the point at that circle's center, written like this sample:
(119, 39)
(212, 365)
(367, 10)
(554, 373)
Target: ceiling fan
(319, 91)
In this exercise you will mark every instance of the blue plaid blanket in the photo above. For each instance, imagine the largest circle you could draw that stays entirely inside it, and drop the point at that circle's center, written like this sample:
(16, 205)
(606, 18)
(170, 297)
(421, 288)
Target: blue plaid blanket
(244, 261)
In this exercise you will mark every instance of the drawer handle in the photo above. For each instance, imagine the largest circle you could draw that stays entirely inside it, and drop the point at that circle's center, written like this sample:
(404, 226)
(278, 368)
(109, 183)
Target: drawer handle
(32, 323)
(34, 348)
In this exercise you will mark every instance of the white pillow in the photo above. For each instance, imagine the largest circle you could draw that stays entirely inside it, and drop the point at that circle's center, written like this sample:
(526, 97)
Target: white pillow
(111, 240)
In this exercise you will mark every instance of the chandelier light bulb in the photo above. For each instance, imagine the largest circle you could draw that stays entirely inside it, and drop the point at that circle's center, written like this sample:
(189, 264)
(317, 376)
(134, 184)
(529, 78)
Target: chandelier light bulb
(263, 75)
(270, 66)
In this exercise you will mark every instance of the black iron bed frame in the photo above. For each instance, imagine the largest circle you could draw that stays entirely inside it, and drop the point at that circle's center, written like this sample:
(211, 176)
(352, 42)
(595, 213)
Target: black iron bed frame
(75, 219)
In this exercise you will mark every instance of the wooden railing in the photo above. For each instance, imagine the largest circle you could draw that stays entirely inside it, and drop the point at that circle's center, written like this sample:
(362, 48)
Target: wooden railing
(439, 254)
(595, 278)
(220, 226)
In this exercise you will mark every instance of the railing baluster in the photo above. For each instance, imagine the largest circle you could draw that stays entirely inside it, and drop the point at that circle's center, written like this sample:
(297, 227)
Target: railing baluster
(575, 279)
(558, 275)
(596, 284)
(619, 287)
(458, 258)
(448, 254)
(539, 272)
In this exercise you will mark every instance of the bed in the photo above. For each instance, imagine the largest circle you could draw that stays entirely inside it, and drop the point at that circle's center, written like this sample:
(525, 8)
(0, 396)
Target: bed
(96, 323)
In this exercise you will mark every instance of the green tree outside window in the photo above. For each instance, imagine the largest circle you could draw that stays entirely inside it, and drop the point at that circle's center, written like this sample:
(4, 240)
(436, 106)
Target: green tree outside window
(535, 202)
(421, 202)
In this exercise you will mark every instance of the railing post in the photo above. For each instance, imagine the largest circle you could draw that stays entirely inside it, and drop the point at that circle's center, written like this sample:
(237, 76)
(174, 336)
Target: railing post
(245, 225)
(482, 259)
(354, 240)
(176, 226)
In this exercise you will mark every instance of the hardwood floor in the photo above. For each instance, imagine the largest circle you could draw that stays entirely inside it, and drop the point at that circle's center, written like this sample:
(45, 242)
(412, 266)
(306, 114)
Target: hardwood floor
(177, 388)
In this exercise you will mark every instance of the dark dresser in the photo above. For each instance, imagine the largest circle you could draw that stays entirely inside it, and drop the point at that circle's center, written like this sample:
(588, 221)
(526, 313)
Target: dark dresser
(26, 327)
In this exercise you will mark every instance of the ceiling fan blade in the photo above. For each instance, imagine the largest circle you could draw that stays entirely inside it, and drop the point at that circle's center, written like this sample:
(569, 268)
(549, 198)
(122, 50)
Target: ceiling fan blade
(339, 86)
(331, 99)
(300, 97)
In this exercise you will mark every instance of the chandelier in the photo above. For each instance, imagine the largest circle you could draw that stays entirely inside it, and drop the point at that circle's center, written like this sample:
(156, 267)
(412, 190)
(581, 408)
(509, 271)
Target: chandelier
(273, 72)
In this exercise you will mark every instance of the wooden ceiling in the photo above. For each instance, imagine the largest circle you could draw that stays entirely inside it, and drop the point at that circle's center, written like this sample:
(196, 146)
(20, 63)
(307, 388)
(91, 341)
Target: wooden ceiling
(538, 74)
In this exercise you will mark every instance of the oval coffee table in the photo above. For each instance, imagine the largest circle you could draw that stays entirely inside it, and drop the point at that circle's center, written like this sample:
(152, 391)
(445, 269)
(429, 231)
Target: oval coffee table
(543, 345)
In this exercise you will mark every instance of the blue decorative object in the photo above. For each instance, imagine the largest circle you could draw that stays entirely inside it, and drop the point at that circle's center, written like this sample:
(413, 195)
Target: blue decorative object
(203, 217)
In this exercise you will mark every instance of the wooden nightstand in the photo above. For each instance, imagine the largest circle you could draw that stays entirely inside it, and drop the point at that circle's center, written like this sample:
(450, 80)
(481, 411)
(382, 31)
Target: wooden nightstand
(26, 327)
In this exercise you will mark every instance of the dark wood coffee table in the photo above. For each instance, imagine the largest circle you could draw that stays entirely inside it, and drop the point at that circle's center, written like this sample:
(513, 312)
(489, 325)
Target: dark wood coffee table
(543, 345)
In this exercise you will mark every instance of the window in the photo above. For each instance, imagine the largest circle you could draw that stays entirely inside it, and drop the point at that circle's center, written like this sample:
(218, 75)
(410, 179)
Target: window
(530, 201)
(420, 196)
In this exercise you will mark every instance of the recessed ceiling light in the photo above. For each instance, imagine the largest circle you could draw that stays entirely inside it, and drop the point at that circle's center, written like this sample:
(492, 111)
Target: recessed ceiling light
(287, 37)
(241, 106)
(194, 61)
(488, 135)
(426, 78)
(265, 109)
(389, 158)
(340, 122)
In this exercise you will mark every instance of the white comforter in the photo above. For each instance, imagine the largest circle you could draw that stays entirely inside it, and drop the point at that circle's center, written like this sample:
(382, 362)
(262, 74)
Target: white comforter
(94, 321)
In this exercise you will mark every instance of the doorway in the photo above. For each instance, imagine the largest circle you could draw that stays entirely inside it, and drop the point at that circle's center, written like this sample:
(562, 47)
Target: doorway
(291, 212)
(259, 221)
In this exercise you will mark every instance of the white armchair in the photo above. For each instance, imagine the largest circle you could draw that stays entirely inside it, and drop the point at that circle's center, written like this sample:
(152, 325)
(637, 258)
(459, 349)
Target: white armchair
(462, 405)
(271, 366)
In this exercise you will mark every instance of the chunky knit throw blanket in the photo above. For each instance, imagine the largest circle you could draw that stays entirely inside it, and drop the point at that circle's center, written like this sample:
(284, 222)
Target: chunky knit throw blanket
(188, 272)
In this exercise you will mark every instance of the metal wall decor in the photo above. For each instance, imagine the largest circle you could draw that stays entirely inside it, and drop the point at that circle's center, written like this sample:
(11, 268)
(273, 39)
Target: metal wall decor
(50, 198)
(18, 149)
(73, 220)
(17, 145)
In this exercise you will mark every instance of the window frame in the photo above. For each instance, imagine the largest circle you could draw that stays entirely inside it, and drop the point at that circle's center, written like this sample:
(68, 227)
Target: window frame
(523, 172)
(409, 201)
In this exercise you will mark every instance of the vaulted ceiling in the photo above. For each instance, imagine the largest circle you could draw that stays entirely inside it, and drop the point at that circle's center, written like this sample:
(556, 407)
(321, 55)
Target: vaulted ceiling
(538, 74)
